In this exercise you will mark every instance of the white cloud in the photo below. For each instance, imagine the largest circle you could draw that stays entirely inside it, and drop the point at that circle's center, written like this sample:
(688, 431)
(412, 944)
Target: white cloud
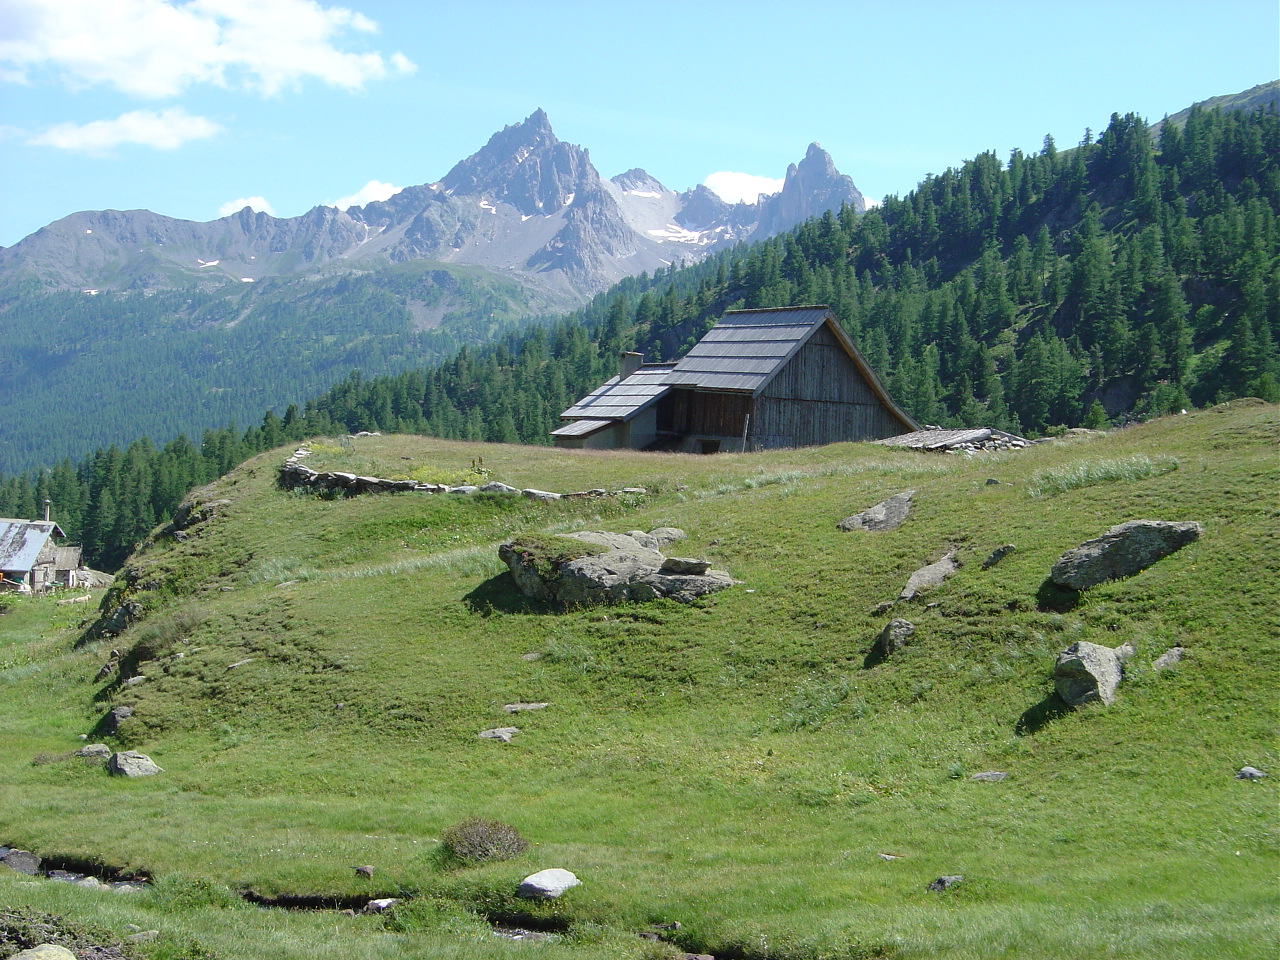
(158, 48)
(164, 130)
(371, 191)
(235, 206)
(740, 187)
(870, 202)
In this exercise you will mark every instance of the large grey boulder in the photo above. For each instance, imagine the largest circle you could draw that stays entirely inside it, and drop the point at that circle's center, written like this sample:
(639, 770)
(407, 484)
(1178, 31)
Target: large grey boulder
(928, 577)
(547, 884)
(131, 763)
(885, 515)
(1122, 551)
(612, 568)
(1087, 673)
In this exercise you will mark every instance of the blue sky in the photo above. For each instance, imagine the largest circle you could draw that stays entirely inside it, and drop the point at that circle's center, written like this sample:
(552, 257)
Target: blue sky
(187, 106)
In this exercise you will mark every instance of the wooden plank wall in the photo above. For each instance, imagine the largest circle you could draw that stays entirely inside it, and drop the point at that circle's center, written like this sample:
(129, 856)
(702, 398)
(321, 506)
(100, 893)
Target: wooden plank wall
(820, 397)
(695, 414)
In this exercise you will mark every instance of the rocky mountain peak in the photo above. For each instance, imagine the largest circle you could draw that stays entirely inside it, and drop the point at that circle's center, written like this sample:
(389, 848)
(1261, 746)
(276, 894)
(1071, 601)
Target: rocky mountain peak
(525, 165)
(812, 187)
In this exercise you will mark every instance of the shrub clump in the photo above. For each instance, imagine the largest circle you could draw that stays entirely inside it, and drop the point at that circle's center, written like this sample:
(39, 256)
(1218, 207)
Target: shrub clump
(476, 840)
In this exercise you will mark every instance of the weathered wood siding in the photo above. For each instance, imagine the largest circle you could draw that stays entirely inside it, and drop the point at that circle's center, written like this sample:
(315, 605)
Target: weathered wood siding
(820, 397)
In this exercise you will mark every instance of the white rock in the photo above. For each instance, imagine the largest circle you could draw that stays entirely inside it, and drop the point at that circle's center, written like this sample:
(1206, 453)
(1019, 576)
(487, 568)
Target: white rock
(547, 884)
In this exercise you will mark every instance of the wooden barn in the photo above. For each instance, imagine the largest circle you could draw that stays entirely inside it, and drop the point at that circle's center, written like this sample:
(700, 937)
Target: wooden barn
(758, 380)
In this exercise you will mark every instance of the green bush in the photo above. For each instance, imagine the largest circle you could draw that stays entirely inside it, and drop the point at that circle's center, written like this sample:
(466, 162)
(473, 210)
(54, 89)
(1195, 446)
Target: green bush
(476, 840)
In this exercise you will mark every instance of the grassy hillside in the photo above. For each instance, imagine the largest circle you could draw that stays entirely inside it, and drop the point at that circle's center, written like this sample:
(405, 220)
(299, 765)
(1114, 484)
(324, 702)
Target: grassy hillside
(318, 671)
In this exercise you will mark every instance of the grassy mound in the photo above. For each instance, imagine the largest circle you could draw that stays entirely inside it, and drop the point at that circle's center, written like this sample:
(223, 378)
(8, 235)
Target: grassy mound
(317, 672)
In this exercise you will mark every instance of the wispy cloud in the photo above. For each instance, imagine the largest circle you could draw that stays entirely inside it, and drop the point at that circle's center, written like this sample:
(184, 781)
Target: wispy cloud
(164, 130)
(259, 204)
(371, 191)
(740, 187)
(159, 48)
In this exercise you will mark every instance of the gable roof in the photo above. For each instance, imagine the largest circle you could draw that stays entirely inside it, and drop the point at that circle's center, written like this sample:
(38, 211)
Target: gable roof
(621, 398)
(22, 540)
(747, 348)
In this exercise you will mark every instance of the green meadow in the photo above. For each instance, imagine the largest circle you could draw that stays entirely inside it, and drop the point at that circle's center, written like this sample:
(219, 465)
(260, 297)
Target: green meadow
(318, 671)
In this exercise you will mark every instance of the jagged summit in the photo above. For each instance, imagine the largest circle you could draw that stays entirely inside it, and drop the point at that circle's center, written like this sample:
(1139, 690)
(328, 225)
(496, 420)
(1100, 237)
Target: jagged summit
(526, 204)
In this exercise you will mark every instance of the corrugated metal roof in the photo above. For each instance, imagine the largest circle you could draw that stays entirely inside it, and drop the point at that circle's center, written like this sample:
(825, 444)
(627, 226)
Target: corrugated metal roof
(622, 399)
(21, 542)
(746, 348)
(581, 428)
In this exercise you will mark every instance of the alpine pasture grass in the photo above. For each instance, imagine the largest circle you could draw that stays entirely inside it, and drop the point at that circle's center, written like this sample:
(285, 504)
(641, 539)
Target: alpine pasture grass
(737, 764)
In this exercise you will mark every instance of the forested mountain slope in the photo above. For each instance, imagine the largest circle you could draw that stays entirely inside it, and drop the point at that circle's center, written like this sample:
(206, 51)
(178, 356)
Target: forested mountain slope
(1120, 279)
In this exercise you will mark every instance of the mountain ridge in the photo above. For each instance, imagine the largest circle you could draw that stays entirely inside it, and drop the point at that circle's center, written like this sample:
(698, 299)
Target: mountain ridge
(526, 205)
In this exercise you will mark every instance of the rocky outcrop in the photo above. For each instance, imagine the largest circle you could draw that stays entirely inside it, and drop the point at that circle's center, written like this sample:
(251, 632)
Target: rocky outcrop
(547, 884)
(1088, 673)
(593, 566)
(1122, 551)
(885, 515)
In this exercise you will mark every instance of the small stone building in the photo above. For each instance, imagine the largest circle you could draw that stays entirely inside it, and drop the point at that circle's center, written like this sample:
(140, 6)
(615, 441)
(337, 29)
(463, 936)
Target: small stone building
(758, 380)
(31, 561)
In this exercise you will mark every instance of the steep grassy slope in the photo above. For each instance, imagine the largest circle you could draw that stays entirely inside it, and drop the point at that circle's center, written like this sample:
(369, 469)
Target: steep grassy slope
(318, 671)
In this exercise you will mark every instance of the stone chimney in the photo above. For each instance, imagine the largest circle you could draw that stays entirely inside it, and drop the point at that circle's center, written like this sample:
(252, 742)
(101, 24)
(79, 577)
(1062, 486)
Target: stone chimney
(629, 364)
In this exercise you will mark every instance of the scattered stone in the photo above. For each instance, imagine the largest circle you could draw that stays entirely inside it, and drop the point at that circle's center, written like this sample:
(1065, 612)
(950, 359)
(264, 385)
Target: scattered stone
(134, 681)
(347, 913)
(142, 936)
(697, 956)
(895, 635)
(521, 707)
(547, 884)
(123, 886)
(629, 567)
(94, 751)
(946, 883)
(533, 656)
(888, 856)
(993, 482)
(106, 670)
(131, 763)
(640, 491)
(1125, 652)
(493, 486)
(1167, 659)
(541, 496)
(380, 905)
(673, 925)
(666, 535)
(685, 565)
(885, 515)
(1124, 550)
(465, 490)
(882, 607)
(1087, 673)
(1249, 773)
(23, 861)
(239, 663)
(930, 576)
(499, 733)
(998, 554)
(45, 951)
(989, 776)
(115, 716)
(365, 871)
